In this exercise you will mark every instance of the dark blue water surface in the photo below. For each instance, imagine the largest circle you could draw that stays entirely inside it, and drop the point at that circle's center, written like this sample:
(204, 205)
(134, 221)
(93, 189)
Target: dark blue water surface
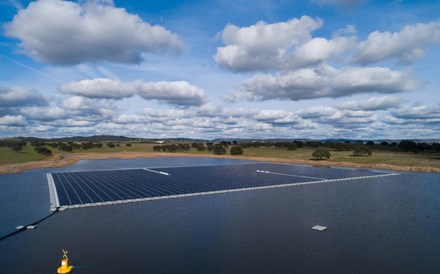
(379, 225)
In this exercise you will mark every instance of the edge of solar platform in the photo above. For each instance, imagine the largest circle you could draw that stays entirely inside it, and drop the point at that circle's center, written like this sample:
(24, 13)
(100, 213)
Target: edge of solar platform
(220, 191)
(92, 170)
(376, 170)
(54, 201)
(153, 168)
(250, 163)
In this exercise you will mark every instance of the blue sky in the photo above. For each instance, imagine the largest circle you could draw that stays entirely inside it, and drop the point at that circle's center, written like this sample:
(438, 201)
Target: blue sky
(211, 69)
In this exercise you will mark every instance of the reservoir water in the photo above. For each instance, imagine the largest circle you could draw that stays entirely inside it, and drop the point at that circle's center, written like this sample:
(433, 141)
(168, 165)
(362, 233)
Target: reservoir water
(378, 225)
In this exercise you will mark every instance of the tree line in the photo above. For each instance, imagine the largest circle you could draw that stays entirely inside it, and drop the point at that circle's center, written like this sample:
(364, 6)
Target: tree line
(358, 148)
(217, 149)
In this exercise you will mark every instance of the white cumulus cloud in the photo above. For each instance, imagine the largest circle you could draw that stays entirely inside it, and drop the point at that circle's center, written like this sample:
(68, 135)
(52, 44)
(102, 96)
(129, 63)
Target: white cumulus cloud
(77, 103)
(407, 45)
(323, 81)
(12, 120)
(418, 112)
(276, 117)
(373, 103)
(263, 45)
(318, 50)
(20, 97)
(176, 93)
(64, 32)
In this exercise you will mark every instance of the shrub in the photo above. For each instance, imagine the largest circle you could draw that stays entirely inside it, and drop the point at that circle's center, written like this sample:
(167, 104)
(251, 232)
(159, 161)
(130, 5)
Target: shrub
(12, 142)
(292, 146)
(172, 148)
(219, 149)
(408, 145)
(87, 145)
(299, 143)
(157, 148)
(43, 150)
(236, 150)
(321, 153)
(128, 145)
(313, 144)
(184, 147)
(38, 144)
(16, 148)
(110, 145)
(225, 144)
(362, 151)
(65, 147)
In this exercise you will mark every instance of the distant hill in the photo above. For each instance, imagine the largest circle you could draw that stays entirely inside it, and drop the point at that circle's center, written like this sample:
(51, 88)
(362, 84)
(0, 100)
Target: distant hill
(111, 138)
(95, 138)
(104, 138)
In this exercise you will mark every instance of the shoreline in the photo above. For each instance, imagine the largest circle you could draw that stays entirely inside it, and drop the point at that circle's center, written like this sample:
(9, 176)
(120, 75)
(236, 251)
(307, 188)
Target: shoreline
(57, 161)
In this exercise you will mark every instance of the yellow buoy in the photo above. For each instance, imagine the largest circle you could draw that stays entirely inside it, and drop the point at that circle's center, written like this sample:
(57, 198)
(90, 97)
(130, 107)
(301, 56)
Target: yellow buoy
(65, 267)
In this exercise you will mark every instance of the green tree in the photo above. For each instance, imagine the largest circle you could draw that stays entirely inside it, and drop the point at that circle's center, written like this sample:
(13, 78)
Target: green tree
(225, 144)
(292, 146)
(362, 151)
(321, 153)
(38, 144)
(184, 147)
(195, 144)
(236, 150)
(43, 150)
(219, 149)
(172, 148)
(16, 148)
(299, 143)
(65, 147)
(408, 145)
(313, 143)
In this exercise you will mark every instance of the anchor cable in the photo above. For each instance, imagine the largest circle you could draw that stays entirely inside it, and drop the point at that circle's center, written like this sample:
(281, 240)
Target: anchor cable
(31, 224)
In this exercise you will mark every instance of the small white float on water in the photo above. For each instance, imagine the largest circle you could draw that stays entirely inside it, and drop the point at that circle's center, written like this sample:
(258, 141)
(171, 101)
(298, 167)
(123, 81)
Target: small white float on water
(319, 227)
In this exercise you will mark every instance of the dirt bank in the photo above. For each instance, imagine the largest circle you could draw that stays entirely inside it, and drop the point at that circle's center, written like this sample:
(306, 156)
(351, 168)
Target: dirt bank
(69, 159)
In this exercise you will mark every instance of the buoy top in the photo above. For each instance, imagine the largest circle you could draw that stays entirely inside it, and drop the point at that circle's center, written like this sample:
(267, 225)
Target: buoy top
(65, 254)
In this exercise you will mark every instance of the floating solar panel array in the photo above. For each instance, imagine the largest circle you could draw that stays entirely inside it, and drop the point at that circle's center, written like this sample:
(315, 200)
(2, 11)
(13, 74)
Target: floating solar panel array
(91, 188)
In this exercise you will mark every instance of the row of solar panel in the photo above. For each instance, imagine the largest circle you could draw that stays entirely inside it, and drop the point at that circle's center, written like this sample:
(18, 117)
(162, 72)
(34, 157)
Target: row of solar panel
(113, 185)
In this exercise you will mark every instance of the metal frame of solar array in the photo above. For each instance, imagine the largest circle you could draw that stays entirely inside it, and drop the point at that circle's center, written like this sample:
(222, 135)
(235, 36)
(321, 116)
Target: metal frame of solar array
(92, 188)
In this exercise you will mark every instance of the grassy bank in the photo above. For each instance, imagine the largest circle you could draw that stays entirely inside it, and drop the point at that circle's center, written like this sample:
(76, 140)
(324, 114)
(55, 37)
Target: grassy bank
(28, 159)
(378, 157)
(7, 156)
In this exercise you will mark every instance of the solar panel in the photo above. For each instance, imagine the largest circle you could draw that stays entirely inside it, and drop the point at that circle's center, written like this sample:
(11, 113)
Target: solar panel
(89, 188)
